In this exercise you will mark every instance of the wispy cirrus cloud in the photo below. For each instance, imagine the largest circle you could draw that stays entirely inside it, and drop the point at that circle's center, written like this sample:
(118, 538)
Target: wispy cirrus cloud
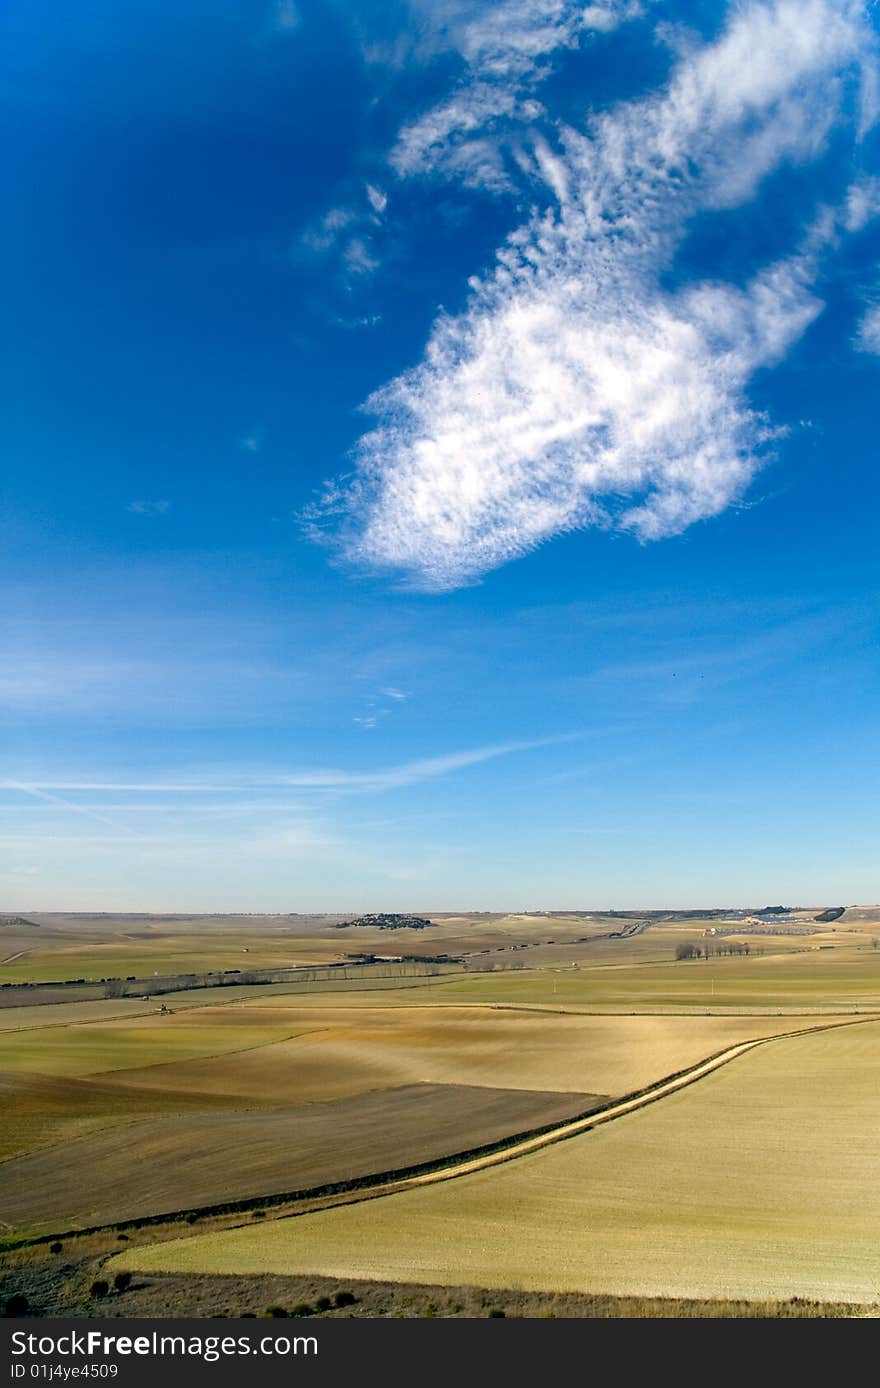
(868, 334)
(334, 779)
(576, 390)
(377, 711)
(507, 50)
(347, 233)
(410, 773)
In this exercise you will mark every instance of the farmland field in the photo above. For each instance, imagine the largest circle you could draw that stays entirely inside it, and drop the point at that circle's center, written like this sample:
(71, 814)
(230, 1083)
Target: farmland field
(712, 1192)
(209, 1158)
(71, 947)
(61, 947)
(64, 1081)
(334, 1078)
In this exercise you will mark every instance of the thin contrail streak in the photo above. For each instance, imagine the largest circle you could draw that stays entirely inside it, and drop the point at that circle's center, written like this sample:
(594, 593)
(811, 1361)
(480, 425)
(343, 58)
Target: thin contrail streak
(64, 804)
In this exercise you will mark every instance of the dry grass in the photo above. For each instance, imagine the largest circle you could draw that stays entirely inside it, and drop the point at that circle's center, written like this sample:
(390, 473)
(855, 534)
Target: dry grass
(60, 1287)
(758, 1182)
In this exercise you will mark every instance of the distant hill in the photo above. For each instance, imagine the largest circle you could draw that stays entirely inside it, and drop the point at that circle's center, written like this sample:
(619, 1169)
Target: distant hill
(17, 920)
(832, 914)
(388, 920)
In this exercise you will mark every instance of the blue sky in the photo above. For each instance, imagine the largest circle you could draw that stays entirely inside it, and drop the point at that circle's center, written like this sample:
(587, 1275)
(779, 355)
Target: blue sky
(439, 454)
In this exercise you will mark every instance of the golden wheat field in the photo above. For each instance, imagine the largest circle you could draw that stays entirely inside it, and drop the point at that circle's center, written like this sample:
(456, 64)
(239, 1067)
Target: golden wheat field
(237, 1100)
(759, 1181)
(301, 1097)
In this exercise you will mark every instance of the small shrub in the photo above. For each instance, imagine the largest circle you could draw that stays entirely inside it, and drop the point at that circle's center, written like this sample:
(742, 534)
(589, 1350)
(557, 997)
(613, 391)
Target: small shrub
(99, 1288)
(55, 1247)
(122, 1238)
(192, 1219)
(323, 1303)
(497, 1314)
(258, 1214)
(345, 1298)
(122, 1281)
(275, 1312)
(17, 1304)
(302, 1308)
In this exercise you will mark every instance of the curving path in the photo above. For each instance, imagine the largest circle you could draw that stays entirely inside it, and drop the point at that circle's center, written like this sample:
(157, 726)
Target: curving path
(465, 1166)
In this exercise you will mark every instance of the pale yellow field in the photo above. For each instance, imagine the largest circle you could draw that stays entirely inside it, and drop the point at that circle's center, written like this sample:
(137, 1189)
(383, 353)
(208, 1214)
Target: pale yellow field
(95, 1048)
(260, 1054)
(760, 1181)
(65, 947)
(290, 1053)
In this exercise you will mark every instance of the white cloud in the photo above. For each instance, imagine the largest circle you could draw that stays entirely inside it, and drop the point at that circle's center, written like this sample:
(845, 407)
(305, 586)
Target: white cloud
(868, 338)
(457, 138)
(506, 49)
(377, 199)
(575, 390)
(148, 508)
(512, 38)
(358, 257)
(365, 320)
(348, 232)
(862, 203)
(326, 233)
(375, 713)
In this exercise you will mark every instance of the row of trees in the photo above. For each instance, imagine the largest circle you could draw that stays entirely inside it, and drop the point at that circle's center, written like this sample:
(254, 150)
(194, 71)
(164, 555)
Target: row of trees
(706, 948)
